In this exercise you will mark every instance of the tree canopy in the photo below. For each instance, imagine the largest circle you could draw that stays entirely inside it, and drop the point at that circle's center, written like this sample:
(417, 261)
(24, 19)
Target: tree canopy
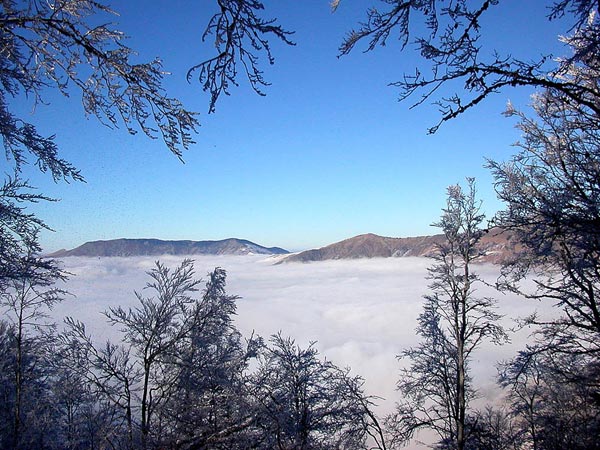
(451, 50)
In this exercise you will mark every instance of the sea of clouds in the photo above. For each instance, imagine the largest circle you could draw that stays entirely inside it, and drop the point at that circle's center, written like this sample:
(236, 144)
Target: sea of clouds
(361, 313)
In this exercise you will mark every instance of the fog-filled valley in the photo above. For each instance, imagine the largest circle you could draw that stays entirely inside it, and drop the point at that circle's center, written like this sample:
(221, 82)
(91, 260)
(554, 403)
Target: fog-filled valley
(482, 335)
(361, 313)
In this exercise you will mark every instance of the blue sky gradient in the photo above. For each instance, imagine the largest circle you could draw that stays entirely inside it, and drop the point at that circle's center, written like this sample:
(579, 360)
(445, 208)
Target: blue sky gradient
(329, 153)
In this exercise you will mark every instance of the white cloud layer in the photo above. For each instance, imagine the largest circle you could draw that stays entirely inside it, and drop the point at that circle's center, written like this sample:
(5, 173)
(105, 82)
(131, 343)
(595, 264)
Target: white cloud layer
(362, 313)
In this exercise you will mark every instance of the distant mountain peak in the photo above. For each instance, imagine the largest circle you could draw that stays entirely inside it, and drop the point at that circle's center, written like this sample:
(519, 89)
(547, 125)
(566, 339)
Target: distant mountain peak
(494, 245)
(157, 247)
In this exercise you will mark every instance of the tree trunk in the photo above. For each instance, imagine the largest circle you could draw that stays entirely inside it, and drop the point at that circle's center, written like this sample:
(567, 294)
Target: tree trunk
(145, 405)
(18, 381)
(461, 369)
(460, 397)
(129, 416)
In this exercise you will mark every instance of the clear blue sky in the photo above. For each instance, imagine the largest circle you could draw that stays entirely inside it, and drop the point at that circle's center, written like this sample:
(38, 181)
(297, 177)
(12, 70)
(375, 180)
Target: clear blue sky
(329, 153)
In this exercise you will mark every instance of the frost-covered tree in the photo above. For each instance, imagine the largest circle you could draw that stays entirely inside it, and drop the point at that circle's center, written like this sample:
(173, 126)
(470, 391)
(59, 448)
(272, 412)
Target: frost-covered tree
(307, 403)
(460, 65)
(178, 376)
(59, 46)
(27, 411)
(136, 376)
(554, 399)
(494, 428)
(239, 34)
(155, 331)
(437, 385)
(551, 189)
(73, 48)
(114, 377)
(211, 408)
(25, 303)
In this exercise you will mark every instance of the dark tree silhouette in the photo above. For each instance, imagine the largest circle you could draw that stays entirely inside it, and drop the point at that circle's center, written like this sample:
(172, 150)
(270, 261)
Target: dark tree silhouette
(551, 190)
(58, 46)
(308, 403)
(26, 302)
(554, 399)
(239, 34)
(448, 37)
(55, 46)
(437, 385)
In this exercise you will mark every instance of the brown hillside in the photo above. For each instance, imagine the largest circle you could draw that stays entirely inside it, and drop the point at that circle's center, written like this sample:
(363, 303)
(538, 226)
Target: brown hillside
(494, 244)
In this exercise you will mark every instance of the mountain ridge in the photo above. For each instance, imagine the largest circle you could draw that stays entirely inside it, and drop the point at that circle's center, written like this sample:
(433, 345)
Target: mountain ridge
(156, 247)
(494, 245)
